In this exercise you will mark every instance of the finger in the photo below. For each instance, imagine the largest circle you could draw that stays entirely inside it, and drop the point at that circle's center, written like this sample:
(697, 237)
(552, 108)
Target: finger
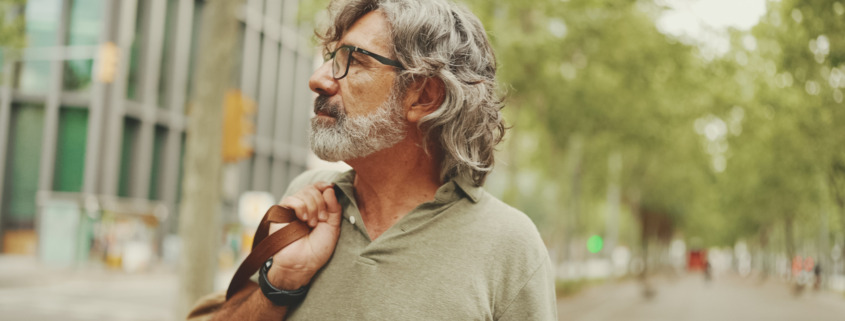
(297, 205)
(317, 196)
(325, 235)
(307, 196)
(332, 207)
(322, 186)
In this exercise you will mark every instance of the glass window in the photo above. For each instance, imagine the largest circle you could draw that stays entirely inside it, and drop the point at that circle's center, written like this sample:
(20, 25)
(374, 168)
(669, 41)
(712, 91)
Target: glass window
(70, 150)
(131, 127)
(86, 18)
(155, 173)
(165, 69)
(77, 75)
(174, 219)
(181, 169)
(199, 7)
(22, 166)
(42, 18)
(133, 88)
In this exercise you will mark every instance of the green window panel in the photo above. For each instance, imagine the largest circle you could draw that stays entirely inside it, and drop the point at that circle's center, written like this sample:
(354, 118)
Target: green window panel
(136, 53)
(77, 75)
(84, 30)
(22, 166)
(157, 165)
(173, 227)
(127, 155)
(199, 7)
(86, 18)
(166, 67)
(70, 150)
(34, 76)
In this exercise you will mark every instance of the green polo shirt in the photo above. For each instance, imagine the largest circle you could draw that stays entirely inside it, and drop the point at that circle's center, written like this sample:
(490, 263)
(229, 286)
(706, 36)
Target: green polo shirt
(464, 256)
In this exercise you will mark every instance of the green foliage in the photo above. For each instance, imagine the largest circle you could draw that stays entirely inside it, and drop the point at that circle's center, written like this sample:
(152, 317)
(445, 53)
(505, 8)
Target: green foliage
(614, 81)
(713, 149)
(11, 27)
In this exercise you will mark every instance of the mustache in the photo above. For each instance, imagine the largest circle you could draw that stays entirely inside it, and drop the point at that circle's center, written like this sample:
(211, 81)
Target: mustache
(322, 105)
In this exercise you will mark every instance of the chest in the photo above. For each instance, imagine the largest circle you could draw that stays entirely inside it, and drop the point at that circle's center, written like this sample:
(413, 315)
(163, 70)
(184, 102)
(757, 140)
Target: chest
(405, 276)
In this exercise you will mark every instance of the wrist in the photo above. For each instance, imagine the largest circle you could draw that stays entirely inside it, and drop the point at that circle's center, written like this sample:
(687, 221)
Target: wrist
(287, 278)
(277, 296)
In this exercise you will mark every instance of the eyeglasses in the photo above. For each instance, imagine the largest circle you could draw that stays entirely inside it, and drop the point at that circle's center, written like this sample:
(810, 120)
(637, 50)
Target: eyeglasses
(342, 57)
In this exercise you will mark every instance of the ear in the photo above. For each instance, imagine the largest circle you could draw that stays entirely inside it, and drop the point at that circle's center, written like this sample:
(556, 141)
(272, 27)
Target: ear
(424, 97)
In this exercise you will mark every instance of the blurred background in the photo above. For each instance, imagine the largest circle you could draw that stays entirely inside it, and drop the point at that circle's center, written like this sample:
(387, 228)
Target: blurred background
(682, 159)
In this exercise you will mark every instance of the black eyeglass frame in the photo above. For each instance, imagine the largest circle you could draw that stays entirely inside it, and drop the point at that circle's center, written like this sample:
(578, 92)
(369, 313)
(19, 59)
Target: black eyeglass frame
(382, 59)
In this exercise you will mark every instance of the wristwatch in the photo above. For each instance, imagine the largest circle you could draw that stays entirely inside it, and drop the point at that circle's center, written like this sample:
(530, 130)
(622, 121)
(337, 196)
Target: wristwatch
(277, 296)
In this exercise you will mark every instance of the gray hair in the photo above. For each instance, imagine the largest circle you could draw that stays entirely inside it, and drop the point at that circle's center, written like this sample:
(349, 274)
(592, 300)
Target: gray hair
(440, 39)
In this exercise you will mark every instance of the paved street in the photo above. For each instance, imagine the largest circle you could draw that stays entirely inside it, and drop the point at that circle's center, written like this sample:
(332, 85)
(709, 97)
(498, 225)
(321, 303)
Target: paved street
(689, 298)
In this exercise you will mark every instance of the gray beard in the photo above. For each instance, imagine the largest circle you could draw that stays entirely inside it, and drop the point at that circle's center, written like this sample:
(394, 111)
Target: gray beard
(348, 138)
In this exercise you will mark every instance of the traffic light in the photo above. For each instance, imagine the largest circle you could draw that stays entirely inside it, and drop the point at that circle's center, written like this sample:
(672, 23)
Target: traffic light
(238, 126)
(107, 60)
(595, 244)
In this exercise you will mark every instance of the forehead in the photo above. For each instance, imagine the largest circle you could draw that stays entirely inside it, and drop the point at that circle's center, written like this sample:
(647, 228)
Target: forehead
(371, 32)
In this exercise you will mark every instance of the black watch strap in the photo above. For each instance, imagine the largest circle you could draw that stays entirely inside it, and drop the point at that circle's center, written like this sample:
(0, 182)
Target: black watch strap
(277, 296)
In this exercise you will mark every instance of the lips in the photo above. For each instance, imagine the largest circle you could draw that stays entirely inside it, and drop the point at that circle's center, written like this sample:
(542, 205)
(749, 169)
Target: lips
(322, 107)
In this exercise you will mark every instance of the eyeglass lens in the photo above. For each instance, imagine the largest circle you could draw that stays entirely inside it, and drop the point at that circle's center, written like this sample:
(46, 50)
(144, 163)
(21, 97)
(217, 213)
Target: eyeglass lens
(340, 62)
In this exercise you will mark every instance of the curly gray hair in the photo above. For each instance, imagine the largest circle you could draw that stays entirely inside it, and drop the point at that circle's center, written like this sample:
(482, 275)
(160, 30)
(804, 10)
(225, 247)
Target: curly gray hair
(440, 39)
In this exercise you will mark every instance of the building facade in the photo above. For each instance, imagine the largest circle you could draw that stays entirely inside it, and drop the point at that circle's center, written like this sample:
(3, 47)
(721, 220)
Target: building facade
(93, 115)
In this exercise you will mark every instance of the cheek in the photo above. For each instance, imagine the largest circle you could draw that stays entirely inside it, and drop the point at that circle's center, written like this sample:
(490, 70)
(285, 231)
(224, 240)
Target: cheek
(364, 91)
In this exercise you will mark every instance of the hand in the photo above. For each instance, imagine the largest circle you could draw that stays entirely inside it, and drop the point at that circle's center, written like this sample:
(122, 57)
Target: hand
(295, 265)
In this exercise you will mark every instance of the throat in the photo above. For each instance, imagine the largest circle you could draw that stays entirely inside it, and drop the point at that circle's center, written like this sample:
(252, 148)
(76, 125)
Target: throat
(379, 221)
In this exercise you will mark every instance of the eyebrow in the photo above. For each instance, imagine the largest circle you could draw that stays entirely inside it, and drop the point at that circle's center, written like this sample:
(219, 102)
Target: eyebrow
(356, 45)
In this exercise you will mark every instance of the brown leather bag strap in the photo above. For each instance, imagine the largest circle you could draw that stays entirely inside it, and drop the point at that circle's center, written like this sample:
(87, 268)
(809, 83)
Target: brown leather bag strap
(264, 246)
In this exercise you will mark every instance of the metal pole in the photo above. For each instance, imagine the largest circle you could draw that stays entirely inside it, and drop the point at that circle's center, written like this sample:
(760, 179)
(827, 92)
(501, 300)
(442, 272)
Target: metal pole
(114, 133)
(5, 114)
(149, 97)
(176, 104)
(95, 113)
(266, 98)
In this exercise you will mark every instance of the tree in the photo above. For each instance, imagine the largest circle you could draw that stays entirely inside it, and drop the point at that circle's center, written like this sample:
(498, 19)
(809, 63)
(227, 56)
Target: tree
(199, 217)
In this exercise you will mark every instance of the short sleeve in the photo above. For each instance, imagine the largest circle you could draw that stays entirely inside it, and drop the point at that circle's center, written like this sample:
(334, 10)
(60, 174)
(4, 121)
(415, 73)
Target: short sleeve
(536, 299)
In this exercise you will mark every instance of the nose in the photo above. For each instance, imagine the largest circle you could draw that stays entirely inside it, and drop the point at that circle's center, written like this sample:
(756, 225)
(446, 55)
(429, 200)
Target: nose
(322, 82)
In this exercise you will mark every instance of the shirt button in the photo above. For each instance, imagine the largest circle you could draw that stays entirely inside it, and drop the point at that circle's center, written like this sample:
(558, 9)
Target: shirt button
(352, 219)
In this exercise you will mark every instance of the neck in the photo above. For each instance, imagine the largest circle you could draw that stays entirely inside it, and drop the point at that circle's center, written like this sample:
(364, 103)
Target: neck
(392, 182)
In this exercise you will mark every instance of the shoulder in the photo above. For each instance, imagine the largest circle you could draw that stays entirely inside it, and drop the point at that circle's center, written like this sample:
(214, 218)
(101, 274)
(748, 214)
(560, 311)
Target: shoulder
(310, 177)
(518, 265)
(509, 230)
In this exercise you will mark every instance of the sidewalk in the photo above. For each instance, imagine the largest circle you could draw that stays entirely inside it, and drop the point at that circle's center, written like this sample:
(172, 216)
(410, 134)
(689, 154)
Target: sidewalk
(30, 290)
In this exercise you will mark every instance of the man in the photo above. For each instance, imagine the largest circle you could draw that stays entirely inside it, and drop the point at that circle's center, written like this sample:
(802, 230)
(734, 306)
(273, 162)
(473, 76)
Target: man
(407, 97)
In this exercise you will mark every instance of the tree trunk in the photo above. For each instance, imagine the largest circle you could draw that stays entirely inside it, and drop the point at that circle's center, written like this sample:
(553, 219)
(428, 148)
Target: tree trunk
(838, 198)
(574, 156)
(789, 238)
(199, 216)
(614, 195)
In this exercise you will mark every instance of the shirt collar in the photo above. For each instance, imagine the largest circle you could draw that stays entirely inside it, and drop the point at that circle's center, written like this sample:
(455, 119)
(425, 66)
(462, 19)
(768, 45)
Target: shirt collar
(446, 192)
(472, 191)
